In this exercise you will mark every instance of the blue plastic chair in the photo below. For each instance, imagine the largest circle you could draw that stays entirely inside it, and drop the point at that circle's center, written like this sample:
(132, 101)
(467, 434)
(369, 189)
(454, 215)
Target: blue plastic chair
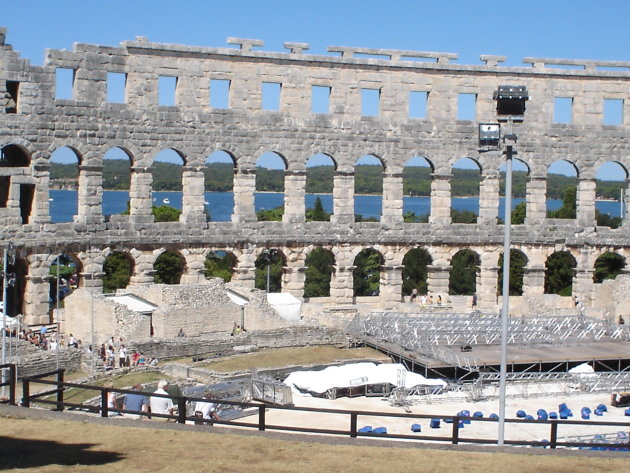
(598, 412)
(478, 415)
(416, 428)
(627, 412)
(553, 415)
(366, 429)
(435, 423)
(602, 407)
(380, 430)
(521, 413)
(529, 417)
(586, 413)
(493, 416)
(541, 414)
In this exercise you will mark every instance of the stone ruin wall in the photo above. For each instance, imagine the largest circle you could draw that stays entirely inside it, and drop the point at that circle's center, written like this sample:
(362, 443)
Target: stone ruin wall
(90, 125)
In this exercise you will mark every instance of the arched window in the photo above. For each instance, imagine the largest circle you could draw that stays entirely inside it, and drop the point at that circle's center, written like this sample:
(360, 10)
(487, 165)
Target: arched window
(319, 268)
(269, 266)
(520, 173)
(518, 262)
(167, 172)
(559, 273)
(562, 190)
(465, 185)
(219, 186)
(169, 267)
(318, 201)
(415, 271)
(269, 198)
(116, 181)
(611, 187)
(118, 268)
(417, 190)
(219, 264)
(367, 273)
(463, 274)
(64, 185)
(607, 266)
(368, 189)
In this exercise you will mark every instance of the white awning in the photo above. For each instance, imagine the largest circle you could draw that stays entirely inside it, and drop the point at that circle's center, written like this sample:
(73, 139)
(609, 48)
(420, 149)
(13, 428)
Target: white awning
(134, 303)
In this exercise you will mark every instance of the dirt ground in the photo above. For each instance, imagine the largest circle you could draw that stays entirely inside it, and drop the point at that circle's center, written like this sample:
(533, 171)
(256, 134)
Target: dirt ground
(59, 445)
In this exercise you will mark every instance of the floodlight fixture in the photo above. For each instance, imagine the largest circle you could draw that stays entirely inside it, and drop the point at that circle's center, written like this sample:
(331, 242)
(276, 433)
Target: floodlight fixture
(489, 134)
(511, 102)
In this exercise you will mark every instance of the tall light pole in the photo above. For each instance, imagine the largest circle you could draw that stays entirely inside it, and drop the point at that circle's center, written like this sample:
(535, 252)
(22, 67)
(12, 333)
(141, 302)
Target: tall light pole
(5, 285)
(510, 108)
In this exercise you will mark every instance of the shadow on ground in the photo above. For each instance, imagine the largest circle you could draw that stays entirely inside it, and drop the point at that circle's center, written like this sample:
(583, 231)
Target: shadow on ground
(28, 453)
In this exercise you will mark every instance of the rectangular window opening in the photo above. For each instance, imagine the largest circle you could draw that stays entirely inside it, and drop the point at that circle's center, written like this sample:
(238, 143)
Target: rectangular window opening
(271, 96)
(13, 91)
(116, 87)
(466, 106)
(167, 87)
(418, 104)
(320, 99)
(613, 111)
(220, 93)
(563, 109)
(64, 83)
(5, 183)
(370, 102)
(27, 191)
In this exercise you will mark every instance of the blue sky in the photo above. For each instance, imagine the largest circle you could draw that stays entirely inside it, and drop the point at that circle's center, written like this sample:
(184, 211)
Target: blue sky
(540, 28)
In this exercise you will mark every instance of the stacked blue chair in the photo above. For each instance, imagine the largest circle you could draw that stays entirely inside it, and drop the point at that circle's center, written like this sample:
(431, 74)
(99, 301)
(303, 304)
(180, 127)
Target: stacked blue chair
(435, 423)
(493, 416)
(586, 413)
(462, 423)
(416, 428)
(448, 420)
(529, 417)
(602, 407)
(564, 411)
(627, 412)
(366, 430)
(380, 430)
(465, 413)
(541, 414)
(478, 415)
(553, 415)
(521, 414)
(598, 412)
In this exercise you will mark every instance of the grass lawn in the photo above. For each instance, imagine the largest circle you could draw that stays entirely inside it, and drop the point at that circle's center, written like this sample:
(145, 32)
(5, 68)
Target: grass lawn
(46, 445)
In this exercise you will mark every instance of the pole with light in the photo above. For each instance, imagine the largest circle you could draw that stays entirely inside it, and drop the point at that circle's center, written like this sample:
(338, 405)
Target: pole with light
(5, 285)
(510, 109)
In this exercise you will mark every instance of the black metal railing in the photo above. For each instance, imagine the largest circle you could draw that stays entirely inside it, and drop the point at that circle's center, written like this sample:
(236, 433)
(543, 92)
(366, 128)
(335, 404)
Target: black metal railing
(8, 379)
(455, 435)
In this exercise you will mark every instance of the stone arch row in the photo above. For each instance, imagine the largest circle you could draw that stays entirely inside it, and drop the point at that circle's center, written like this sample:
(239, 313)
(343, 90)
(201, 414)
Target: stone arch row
(33, 270)
(244, 187)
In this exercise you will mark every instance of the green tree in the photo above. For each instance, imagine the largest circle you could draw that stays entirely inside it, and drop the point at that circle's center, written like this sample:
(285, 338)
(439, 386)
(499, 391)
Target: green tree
(361, 218)
(518, 261)
(463, 274)
(605, 220)
(169, 267)
(608, 266)
(319, 268)
(317, 213)
(560, 269)
(271, 215)
(463, 216)
(269, 262)
(568, 209)
(118, 270)
(519, 213)
(165, 213)
(415, 272)
(410, 217)
(367, 274)
(219, 266)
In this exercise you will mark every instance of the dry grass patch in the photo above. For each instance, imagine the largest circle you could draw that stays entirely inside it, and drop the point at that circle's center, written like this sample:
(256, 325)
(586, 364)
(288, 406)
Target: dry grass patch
(281, 357)
(45, 445)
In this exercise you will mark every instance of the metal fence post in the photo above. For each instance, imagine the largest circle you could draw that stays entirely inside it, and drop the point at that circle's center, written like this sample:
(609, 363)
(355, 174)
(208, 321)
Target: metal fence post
(353, 424)
(12, 386)
(60, 390)
(26, 392)
(181, 410)
(553, 436)
(261, 417)
(455, 439)
(104, 408)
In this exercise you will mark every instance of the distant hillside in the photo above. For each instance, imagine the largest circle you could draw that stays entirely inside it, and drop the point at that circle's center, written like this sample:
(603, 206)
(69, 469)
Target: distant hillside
(368, 180)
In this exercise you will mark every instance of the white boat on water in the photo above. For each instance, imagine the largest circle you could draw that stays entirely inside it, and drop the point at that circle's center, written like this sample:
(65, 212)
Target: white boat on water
(166, 201)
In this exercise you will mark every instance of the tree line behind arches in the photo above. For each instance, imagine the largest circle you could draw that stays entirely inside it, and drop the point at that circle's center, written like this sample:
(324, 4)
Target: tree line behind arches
(560, 268)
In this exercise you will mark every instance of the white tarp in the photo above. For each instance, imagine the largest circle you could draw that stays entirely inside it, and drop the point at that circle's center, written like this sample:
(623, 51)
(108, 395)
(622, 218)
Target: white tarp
(287, 305)
(12, 322)
(134, 303)
(354, 374)
(584, 368)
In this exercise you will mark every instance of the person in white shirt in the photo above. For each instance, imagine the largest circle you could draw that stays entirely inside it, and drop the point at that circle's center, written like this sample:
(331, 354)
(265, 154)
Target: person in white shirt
(206, 410)
(122, 356)
(161, 405)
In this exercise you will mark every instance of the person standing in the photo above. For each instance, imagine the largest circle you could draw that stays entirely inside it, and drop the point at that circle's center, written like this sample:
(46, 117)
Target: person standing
(122, 356)
(161, 405)
(136, 402)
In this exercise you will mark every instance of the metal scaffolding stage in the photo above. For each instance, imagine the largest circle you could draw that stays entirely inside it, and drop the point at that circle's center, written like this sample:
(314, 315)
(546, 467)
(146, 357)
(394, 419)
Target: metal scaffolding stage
(467, 346)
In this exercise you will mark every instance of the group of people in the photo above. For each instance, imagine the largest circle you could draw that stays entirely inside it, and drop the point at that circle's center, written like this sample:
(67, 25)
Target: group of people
(42, 339)
(116, 354)
(425, 299)
(144, 406)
